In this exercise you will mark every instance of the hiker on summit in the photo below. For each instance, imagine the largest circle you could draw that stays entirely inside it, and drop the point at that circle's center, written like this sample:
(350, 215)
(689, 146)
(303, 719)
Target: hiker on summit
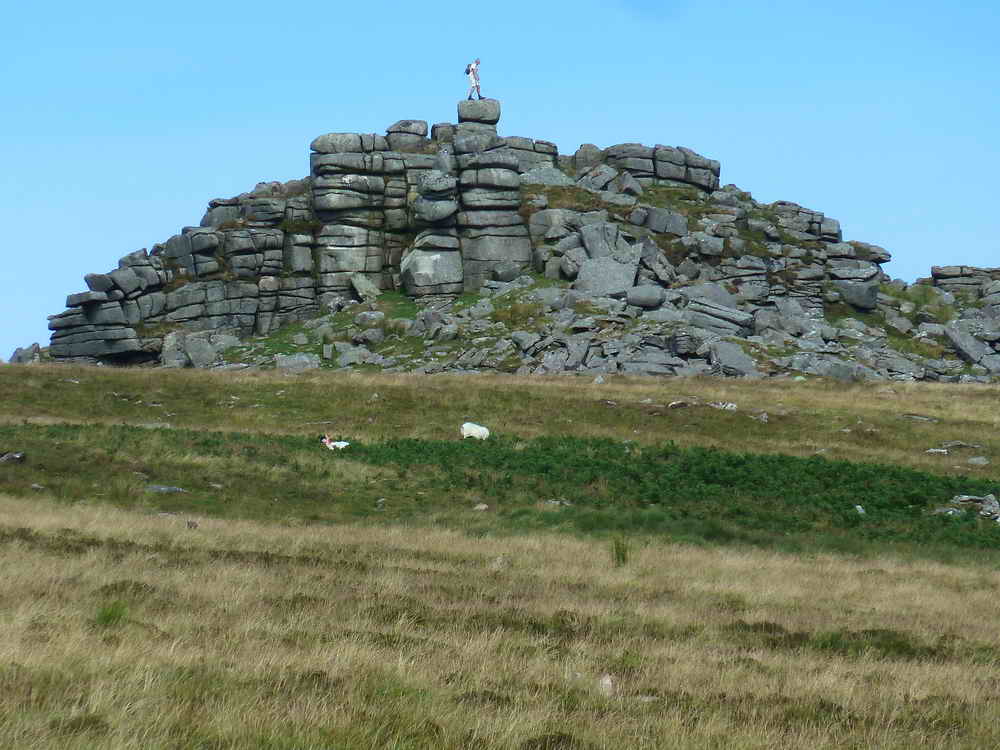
(472, 70)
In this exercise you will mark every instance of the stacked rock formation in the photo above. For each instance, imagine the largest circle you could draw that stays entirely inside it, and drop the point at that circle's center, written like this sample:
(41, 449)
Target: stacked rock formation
(490, 229)
(282, 252)
(642, 232)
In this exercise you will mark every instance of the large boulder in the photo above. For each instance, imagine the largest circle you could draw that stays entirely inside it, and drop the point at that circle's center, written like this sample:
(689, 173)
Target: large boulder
(602, 277)
(434, 265)
(610, 274)
(548, 176)
(729, 359)
(970, 348)
(604, 239)
(425, 272)
(718, 318)
(200, 350)
(659, 220)
(587, 156)
(364, 287)
(435, 211)
(597, 177)
(709, 292)
(337, 143)
(84, 298)
(410, 127)
(486, 111)
(296, 362)
(647, 297)
(861, 295)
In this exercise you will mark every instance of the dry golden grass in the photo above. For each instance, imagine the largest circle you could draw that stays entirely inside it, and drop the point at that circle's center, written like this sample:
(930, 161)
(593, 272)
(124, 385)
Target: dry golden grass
(123, 630)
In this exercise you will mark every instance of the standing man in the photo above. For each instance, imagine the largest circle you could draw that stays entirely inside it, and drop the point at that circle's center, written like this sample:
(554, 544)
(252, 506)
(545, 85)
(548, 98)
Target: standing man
(473, 71)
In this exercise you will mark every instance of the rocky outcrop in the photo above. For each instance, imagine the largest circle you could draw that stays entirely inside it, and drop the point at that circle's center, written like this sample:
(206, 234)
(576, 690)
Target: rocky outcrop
(26, 355)
(664, 271)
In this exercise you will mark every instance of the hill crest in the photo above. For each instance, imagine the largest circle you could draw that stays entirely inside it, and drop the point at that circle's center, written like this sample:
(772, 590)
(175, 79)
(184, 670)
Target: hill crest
(658, 270)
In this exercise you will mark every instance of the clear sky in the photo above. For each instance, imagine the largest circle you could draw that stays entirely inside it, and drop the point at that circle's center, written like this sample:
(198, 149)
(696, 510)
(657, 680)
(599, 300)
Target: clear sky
(122, 119)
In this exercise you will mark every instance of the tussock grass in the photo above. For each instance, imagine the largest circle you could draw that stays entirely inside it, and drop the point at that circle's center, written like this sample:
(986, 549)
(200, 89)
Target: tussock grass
(859, 422)
(242, 634)
(615, 458)
(355, 599)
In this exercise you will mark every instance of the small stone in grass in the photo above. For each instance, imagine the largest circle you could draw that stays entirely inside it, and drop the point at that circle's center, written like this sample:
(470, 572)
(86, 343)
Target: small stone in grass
(607, 685)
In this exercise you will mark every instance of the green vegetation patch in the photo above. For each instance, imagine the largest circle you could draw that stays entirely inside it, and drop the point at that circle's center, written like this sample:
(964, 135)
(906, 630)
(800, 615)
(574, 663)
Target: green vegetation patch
(924, 298)
(837, 313)
(605, 486)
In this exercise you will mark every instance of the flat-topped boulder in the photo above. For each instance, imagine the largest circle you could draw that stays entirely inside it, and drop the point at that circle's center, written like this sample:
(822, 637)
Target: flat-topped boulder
(486, 111)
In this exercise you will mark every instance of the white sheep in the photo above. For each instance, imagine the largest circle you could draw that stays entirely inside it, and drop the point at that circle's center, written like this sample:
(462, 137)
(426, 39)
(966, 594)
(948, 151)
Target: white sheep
(473, 430)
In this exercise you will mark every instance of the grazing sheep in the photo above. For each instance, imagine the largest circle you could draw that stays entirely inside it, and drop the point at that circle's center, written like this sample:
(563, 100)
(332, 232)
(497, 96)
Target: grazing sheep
(334, 445)
(473, 430)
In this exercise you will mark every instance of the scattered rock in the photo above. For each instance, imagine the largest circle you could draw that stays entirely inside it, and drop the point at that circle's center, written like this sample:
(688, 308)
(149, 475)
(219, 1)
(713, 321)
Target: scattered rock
(556, 503)
(989, 508)
(365, 287)
(296, 362)
(606, 685)
(500, 563)
(959, 444)
(948, 512)
(987, 505)
(14, 457)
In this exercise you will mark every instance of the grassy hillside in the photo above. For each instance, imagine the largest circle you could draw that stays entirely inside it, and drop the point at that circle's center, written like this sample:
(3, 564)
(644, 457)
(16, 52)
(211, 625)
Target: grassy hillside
(122, 630)
(892, 423)
(642, 576)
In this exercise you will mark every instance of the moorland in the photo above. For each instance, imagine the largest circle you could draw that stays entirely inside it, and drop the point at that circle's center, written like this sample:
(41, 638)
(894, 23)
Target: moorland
(640, 563)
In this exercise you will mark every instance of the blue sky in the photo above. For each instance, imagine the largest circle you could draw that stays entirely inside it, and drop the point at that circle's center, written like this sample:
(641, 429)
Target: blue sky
(121, 120)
